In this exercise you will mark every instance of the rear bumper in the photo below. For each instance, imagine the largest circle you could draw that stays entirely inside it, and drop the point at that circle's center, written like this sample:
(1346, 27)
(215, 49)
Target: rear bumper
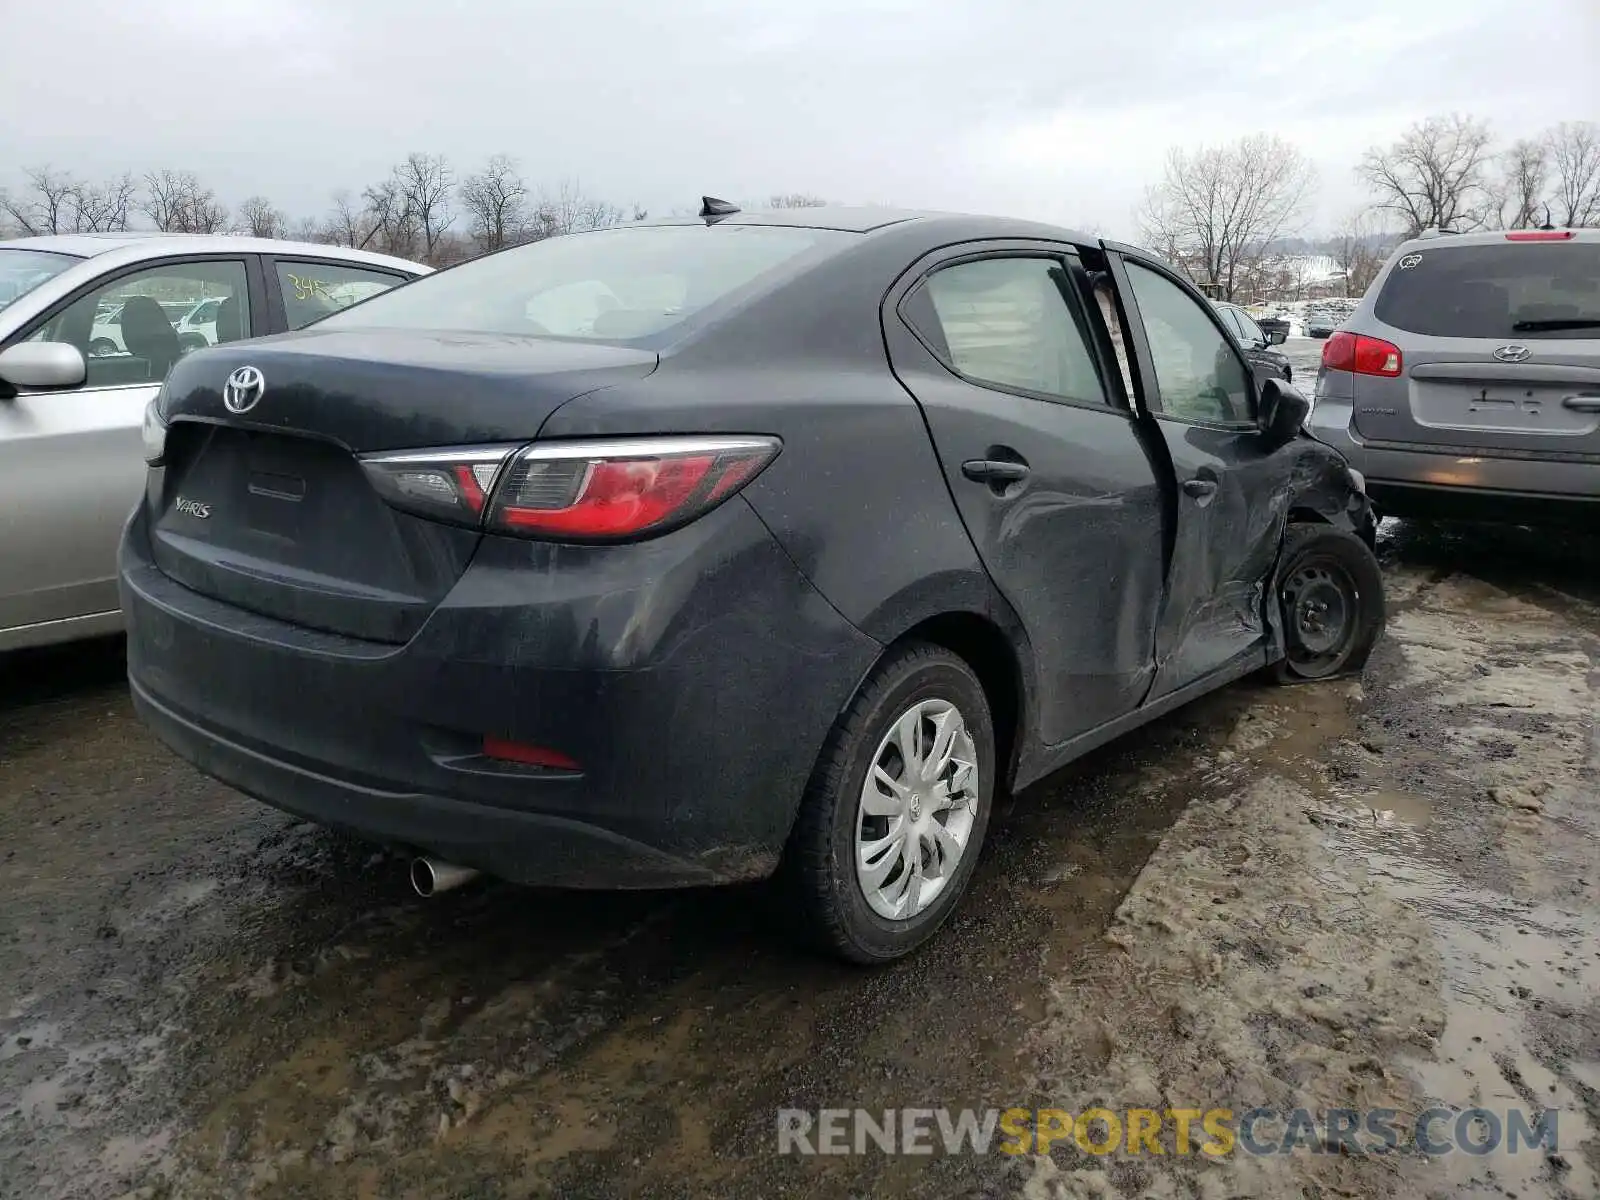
(1423, 483)
(693, 679)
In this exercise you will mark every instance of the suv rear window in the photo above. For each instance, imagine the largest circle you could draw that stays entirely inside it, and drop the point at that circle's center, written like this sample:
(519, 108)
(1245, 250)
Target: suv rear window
(611, 285)
(1521, 291)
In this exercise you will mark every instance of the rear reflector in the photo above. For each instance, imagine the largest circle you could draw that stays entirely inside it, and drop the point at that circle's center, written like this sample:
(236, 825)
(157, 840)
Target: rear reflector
(1362, 355)
(1540, 235)
(528, 756)
(613, 490)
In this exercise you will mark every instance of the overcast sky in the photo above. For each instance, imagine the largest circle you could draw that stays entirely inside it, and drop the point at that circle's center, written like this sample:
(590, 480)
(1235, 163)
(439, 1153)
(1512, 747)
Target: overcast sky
(1023, 107)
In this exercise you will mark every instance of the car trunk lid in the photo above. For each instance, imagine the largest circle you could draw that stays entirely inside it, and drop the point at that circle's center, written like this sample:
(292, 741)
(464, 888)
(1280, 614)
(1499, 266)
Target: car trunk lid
(270, 509)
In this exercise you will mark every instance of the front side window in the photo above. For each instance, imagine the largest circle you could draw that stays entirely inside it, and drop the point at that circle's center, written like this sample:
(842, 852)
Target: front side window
(1200, 375)
(626, 284)
(128, 329)
(1249, 330)
(313, 290)
(23, 270)
(1007, 321)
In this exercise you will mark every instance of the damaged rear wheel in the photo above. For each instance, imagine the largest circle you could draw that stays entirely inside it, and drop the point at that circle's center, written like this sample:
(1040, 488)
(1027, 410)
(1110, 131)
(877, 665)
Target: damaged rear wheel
(1330, 602)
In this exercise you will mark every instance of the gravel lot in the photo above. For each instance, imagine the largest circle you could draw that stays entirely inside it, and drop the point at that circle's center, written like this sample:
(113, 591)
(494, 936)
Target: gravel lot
(1384, 892)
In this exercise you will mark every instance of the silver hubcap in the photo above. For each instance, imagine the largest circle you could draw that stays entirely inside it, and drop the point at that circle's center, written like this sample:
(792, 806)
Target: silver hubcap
(917, 809)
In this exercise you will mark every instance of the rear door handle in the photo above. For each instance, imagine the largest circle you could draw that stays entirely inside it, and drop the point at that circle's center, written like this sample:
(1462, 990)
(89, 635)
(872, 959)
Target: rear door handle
(1200, 489)
(994, 470)
(1583, 402)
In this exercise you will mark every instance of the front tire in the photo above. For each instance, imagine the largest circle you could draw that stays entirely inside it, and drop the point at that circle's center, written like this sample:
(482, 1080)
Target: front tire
(1330, 600)
(894, 817)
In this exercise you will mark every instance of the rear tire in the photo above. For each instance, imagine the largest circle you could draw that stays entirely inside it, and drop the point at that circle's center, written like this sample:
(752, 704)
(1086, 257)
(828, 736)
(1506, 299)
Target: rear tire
(867, 875)
(1330, 600)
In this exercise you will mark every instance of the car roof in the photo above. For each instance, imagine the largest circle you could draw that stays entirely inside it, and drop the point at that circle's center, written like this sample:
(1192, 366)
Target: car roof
(1435, 240)
(867, 220)
(138, 244)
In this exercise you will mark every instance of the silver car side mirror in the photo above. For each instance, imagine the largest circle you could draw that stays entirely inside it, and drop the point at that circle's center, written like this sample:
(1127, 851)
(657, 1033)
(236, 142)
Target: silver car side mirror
(44, 365)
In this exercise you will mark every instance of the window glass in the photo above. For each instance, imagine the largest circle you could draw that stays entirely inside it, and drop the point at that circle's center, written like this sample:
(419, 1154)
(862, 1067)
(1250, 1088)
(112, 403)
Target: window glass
(621, 284)
(1251, 331)
(1512, 291)
(1007, 322)
(23, 270)
(128, 328)
(312, 290)
(1201, 376)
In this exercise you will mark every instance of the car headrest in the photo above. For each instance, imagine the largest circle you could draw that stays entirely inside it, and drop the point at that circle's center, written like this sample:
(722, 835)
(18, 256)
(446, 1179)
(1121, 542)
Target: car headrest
(146, 330)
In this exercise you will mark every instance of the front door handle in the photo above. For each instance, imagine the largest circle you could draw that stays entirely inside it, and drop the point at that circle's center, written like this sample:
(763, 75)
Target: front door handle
(1200, 489)
(1583, 402)
(995, 471)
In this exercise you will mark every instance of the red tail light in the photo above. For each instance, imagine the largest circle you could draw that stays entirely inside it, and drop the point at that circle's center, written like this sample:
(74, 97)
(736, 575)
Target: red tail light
(603, 490)
(1362, 355)
(611, 490)
(1540, 235)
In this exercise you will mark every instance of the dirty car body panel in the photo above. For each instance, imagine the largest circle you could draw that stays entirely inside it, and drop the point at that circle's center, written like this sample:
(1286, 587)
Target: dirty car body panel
(636, 707)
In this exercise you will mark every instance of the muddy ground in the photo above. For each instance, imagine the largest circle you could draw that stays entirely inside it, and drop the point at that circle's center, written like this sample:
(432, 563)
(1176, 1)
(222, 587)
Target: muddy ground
(1375, 893)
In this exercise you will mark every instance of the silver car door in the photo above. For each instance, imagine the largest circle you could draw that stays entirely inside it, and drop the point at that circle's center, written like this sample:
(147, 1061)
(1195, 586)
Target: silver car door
(71, 466)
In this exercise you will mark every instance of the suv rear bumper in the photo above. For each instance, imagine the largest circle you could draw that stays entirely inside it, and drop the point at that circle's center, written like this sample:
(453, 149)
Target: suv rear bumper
(693, 678)
(1419, 482)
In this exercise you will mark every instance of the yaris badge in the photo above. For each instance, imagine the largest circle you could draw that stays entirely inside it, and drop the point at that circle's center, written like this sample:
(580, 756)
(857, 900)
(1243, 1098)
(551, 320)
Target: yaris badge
(243, 390)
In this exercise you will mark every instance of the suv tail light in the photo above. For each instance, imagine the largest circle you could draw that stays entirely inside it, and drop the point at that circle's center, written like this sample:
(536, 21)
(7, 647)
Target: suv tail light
(601, 490)
(1540, 235)
(1361, 355)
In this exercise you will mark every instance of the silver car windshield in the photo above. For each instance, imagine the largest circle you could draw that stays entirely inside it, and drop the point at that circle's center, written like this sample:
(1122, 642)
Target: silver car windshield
(611, 285)
(23, 270)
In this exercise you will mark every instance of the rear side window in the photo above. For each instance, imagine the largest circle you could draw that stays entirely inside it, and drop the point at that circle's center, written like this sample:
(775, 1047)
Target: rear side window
(1511, 291)
(313, 290)
(1007, 321)
(611, 285)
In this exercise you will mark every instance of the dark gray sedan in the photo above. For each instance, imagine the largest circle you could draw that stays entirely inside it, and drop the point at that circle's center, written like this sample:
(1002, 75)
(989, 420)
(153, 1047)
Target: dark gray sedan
(714, 549)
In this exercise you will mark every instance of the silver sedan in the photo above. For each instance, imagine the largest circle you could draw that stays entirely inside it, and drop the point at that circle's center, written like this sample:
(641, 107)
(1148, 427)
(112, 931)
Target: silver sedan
(89, 326)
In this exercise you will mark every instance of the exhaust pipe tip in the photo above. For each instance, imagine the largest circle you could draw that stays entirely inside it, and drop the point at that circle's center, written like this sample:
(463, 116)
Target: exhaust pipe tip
(430, 877)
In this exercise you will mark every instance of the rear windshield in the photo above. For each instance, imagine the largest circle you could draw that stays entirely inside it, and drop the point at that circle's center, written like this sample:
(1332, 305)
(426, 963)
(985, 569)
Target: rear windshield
(611, 285)
(23, 270)
(1527, 290)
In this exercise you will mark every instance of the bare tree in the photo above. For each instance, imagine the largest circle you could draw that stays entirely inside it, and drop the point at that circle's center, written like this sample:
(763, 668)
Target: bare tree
(1358, 251)
(1575, 160)
(47, 206)
(346, 224)
(1435, 177)
(1217, 209)
(496, 200)
(105, 207)
(390, 224)
(796, 200)
(57, 202)
(1526, 172)
(177, 202)
(425, 182)
(569, 210)
(260, 218)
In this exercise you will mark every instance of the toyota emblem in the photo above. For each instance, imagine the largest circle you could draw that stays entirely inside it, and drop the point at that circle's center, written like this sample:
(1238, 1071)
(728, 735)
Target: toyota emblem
(1512, 353)
(243, 390)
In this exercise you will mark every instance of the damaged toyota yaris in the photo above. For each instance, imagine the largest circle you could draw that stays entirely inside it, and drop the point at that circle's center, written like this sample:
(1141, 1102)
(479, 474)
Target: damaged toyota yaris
(708, 550)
